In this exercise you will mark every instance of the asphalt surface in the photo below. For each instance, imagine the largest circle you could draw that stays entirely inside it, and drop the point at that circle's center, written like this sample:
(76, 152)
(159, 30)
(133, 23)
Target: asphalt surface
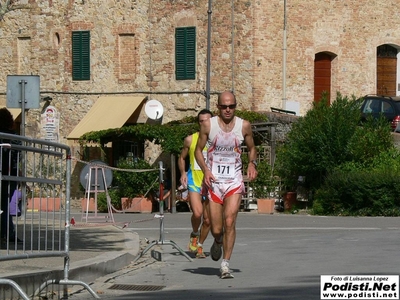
(279, 256)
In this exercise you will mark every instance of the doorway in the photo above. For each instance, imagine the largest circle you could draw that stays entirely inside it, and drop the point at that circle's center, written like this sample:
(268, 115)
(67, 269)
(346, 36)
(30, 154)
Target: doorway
(322, 76)
(386, 70)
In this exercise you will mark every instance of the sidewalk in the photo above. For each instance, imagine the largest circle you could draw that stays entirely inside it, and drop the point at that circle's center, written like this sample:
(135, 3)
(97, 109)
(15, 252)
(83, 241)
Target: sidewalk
(96, 249)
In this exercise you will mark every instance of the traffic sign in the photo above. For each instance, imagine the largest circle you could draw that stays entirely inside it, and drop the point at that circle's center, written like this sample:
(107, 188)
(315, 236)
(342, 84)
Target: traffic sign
(23, 86)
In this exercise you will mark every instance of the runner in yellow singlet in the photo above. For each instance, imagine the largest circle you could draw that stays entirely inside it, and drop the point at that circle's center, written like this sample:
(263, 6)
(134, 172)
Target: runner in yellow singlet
(193, 180)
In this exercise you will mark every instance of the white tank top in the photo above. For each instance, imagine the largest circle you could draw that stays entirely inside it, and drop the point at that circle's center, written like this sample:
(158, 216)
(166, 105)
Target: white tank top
(223, 155)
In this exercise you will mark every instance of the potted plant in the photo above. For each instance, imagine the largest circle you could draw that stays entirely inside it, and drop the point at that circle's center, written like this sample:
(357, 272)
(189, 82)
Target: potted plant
(136, 187)
(289, 175)
(264, 187)
(102, 205)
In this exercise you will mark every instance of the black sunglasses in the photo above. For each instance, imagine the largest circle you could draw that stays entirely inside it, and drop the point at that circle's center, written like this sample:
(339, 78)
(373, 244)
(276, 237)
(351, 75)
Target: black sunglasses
(222, 106)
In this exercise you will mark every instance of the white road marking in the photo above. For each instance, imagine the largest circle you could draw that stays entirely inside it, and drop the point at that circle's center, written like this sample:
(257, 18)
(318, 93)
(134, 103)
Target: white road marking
(277, 228)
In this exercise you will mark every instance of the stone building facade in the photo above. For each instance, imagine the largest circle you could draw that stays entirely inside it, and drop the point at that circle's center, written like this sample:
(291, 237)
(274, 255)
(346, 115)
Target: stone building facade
(265, 51)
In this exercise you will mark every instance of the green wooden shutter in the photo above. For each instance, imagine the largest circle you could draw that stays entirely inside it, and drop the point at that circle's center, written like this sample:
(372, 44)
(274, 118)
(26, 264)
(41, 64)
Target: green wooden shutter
(180, 53)
(185, 53)
(81, 55)
(191, 53)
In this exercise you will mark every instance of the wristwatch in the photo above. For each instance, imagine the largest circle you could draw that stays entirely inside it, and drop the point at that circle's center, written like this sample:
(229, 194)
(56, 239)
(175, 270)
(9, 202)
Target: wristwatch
(254, 162)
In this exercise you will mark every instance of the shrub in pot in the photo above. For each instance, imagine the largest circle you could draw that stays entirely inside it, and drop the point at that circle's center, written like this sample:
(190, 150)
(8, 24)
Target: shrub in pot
(265, 186)
(102, 200)
(140, 183)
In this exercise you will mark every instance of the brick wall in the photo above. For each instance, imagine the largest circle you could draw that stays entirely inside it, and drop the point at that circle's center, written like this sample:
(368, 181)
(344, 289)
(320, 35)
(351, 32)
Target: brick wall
(132, 50)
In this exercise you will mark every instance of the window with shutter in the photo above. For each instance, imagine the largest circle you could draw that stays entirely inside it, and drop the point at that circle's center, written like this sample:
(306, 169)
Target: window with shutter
(185, 53)
(81, 55)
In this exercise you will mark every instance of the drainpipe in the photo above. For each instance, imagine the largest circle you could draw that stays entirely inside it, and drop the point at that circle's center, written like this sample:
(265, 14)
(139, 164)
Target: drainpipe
(233, 44)
(208, 56)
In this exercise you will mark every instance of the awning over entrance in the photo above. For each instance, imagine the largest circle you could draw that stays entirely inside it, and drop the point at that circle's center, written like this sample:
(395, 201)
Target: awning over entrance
(108, 112)
(16, 112)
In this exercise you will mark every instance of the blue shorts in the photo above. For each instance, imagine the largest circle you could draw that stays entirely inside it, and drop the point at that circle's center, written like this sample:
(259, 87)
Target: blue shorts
(194, 188)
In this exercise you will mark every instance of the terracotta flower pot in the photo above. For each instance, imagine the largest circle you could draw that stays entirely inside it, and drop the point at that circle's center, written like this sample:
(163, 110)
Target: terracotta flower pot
(266, 206)
(289, 200)
(137, 204)
(85, 207)
(44, 204)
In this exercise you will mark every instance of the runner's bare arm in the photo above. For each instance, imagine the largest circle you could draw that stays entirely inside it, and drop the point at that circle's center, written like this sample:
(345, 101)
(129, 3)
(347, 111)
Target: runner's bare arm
(181, 160)
(251, 148)
(201, 143)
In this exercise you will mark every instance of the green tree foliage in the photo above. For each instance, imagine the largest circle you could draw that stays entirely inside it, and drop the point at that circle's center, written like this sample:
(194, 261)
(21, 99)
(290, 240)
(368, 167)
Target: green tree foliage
(360, 189)
(327, 137)
(115, 197)
(370, 140)
(140, 181)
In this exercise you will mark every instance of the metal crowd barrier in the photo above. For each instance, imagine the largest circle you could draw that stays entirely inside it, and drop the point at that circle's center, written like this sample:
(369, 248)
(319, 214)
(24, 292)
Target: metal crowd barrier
(39, 173)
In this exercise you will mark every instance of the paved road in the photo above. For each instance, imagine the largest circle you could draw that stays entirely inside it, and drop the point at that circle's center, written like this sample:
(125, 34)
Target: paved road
(276, 256)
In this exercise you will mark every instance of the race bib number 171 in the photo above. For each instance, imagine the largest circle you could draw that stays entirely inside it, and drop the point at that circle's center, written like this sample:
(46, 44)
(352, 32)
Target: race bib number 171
(223, 167)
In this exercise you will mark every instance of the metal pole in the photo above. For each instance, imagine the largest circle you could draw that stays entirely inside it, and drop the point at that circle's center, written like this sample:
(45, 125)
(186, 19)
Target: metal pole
(161, 197)
(162, 241)
(284, 58)
(208, 80)
(233, 44)
(22, 132)
(67, 211)
(22, 129)
(172, 197)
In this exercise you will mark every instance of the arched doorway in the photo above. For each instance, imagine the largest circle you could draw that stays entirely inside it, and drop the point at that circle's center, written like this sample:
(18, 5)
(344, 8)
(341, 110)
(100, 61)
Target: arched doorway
(386, 69)
(322, 75)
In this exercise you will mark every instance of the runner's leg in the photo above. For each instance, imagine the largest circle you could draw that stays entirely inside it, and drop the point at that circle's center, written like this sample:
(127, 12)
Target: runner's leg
(230, 210)
(205, 225)
(216, 210)
(197, 210)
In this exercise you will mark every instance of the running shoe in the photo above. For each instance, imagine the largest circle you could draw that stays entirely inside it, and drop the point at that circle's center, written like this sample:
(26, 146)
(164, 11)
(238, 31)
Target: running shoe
(226, 273)
(193, 243)
(216, 251)
(200, 253)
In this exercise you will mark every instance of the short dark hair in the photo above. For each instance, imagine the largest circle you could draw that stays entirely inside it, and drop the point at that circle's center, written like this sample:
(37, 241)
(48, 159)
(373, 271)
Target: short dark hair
(6, 119)
(204, 112)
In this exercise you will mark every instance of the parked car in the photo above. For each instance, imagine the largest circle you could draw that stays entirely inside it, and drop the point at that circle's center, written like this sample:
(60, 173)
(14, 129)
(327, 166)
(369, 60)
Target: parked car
(389, 107)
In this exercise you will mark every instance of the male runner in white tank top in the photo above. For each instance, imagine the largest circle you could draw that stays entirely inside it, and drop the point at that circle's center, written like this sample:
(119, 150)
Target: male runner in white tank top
(223, 180)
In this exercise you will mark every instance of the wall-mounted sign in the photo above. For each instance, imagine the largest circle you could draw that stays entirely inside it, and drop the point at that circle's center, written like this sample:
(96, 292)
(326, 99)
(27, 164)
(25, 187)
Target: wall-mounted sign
(50, 123)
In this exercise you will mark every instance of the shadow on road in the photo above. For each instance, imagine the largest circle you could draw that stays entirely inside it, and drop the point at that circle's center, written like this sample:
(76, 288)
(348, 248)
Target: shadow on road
(303, 292)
